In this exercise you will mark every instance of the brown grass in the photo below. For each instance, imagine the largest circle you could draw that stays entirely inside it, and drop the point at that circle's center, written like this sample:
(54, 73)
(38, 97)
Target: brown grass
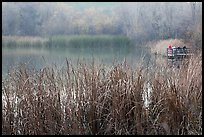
(93, 99)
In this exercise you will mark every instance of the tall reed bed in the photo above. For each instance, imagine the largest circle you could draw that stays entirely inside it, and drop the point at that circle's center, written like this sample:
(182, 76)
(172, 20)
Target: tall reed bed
(93, 99)
(93, 43)
(70, 41)
(23, 42)
(79, 41)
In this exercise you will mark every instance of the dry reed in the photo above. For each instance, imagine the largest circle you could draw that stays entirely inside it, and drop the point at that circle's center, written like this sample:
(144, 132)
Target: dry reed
(94, 99)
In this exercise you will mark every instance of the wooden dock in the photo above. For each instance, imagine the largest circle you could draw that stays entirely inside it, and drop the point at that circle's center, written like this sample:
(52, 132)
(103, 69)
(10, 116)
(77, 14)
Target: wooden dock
(175, 56)
(177, 53)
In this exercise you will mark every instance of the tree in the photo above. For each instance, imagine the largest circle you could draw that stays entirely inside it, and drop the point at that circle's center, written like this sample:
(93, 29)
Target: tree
(28, 18)
(10, 19)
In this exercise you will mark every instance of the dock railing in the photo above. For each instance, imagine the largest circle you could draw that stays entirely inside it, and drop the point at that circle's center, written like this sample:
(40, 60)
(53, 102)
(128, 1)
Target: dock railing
(178, 52)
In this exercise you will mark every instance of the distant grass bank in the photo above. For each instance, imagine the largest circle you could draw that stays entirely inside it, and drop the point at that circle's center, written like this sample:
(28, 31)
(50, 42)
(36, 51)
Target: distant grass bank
(23, 41)
(74, 41)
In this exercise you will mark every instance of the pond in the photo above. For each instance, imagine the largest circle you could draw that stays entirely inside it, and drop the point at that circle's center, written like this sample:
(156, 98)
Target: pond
(46, 57)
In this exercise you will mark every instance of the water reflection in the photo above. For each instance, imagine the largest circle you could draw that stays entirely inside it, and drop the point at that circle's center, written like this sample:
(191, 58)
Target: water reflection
(39, 58)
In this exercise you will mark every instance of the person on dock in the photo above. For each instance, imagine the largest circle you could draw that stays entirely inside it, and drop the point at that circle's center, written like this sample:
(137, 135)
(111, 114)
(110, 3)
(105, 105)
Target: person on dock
(178, 49)
(184, 49)
(174, 50)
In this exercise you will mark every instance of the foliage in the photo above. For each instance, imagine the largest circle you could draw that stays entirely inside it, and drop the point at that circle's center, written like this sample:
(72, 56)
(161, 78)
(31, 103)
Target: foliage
(139, 21)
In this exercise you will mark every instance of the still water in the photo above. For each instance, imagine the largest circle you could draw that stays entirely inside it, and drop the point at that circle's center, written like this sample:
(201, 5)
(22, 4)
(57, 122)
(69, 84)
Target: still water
(38, 57)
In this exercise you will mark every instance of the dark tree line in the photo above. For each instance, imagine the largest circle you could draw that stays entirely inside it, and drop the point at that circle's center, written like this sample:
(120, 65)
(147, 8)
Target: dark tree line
(140, 21)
